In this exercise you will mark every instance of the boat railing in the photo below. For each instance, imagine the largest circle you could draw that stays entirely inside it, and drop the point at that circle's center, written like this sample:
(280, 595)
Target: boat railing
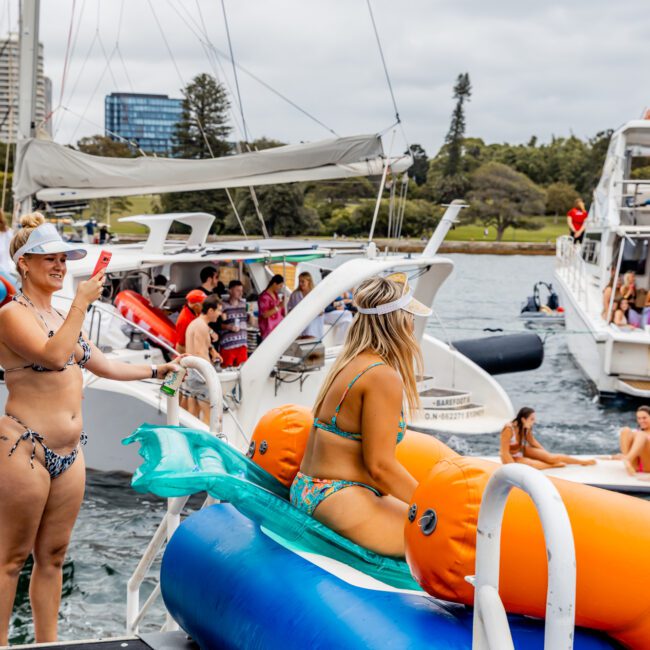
(491, 630)
(571, 262)
(172, 517)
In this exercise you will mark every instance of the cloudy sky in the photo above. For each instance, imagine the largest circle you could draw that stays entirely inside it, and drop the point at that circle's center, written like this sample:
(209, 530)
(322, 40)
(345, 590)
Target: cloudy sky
(544, 68)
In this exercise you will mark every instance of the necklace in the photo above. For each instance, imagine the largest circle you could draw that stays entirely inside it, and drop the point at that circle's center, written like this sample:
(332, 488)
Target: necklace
(22, 294)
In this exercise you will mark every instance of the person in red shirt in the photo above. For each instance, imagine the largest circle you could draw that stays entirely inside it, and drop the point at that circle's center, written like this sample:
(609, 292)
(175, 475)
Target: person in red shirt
(191, 309)
(576, 218)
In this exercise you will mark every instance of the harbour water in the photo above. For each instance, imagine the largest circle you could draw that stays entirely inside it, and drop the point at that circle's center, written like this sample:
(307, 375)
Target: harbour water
(484, 291)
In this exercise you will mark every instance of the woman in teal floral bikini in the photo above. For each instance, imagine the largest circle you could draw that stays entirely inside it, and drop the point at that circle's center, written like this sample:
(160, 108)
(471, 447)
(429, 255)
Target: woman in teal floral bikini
(350, 479)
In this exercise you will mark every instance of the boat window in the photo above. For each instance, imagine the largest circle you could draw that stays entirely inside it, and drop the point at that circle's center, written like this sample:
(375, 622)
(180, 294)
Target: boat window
(635, 255)
(591, 248)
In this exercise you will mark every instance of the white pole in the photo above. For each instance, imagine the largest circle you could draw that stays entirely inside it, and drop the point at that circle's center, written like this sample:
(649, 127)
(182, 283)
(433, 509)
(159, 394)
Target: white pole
(381, 188)
(447, 221)
(28, 75)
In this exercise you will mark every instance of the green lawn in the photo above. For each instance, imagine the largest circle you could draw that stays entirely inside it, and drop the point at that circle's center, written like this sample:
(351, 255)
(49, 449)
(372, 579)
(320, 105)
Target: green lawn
(549, 232)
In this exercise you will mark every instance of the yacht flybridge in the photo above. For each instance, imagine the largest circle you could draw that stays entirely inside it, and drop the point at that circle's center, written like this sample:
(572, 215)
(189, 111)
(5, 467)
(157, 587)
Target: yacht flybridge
(616, 358)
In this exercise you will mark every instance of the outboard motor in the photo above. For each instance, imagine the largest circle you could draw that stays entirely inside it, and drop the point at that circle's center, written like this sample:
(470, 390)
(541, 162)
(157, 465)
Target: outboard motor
(504, 353)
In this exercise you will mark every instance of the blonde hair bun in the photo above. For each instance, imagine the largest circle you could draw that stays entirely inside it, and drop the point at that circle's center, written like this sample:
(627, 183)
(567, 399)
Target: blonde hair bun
(32, 220)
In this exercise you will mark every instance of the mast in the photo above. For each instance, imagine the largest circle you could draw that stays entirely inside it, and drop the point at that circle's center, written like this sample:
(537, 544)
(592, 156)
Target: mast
(28, 75)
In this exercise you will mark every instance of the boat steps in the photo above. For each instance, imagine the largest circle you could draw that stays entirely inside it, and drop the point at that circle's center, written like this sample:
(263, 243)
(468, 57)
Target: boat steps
(634, 387)
(442, 398)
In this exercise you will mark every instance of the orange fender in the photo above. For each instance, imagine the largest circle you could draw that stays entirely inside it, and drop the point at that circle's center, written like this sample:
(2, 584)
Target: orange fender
(611, 533)
(279, 441)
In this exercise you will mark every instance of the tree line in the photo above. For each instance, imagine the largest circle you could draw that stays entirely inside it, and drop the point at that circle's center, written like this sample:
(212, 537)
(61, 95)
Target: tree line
(504, 184)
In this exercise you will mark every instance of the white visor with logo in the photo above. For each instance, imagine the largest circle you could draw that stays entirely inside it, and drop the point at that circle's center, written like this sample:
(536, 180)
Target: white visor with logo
(45, 240)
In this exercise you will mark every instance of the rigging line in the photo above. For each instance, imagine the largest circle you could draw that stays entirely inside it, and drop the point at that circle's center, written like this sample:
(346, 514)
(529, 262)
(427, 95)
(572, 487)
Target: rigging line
(270, 88)
(234, 68)
(210, 55)
(383, 60)
(117, 47)
(234, 209)
(108, 63)
(76, 83)
(162, 33)
(66, 59)
(126, 72)
(75, 40)
(116, 135)
(90, 100)
(256, 203)
(212, 58)
(178, 72)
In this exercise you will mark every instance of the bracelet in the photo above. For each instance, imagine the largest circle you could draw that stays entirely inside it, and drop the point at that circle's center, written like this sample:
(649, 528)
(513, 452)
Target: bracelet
(79, 308)
(154, 371)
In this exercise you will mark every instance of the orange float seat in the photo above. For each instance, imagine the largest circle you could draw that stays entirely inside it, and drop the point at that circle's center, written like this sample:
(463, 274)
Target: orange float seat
(611, 533)
(279, 441)
(280, 438)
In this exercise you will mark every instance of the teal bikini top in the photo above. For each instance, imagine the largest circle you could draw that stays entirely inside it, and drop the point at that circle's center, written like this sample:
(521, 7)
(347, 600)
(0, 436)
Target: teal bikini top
(332, 427)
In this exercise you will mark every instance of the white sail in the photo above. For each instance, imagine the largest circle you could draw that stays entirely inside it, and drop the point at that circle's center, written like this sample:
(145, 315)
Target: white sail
(54, 172)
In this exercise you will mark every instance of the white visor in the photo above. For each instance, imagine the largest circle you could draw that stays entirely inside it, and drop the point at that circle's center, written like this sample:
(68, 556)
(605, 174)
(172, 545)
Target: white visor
(406, 302)
(45, 240)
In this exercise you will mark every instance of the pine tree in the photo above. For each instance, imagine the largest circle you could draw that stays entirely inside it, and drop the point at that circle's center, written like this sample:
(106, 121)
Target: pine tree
(454, 183)
(201, 133)
(203, 127)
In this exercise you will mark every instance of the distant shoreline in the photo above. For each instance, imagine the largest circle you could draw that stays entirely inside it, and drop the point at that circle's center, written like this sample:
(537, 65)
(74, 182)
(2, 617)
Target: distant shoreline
(411, 245)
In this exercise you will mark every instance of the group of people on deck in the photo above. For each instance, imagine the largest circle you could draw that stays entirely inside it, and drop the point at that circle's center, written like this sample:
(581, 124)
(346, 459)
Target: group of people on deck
(624, 304)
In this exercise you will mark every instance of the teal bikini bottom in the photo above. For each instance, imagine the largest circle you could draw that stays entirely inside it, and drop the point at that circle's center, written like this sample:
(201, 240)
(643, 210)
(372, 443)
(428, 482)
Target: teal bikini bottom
(307, 492)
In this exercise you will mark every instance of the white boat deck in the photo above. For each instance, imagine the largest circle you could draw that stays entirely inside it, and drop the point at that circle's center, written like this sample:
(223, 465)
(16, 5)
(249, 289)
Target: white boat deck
(606, 473)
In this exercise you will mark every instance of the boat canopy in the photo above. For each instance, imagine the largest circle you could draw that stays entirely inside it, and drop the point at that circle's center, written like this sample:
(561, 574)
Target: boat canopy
(54, 172)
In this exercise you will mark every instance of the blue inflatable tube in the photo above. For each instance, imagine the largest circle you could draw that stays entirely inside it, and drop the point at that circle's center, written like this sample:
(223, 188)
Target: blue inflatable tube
(229, 585)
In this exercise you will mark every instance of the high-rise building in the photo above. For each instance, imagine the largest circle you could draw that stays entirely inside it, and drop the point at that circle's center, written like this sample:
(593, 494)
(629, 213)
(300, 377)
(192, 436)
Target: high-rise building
(146, 120)
(9, 67)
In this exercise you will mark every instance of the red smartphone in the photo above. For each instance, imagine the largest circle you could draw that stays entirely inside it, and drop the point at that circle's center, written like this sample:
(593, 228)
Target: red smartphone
(102, 262)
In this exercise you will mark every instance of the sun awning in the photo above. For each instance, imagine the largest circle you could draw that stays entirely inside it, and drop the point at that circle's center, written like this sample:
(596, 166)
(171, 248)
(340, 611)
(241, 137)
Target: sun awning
(54, 172)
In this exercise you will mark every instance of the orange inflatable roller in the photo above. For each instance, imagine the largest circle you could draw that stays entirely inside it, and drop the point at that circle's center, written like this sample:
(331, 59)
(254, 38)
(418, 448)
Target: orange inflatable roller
(612, 540)
(280, 438)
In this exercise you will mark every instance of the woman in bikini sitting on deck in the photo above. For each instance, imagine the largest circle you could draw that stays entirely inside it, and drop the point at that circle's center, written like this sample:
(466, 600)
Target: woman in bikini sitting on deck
(635, 445)
(519, 445)
(350, 479)
(42, 471)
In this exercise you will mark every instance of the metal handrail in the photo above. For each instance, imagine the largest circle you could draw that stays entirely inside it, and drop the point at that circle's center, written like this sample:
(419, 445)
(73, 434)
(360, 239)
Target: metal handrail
(490, 629)
(172, 518)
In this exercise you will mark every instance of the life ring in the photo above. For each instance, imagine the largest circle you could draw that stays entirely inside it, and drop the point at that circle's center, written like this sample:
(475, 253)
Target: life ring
(139, 310)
